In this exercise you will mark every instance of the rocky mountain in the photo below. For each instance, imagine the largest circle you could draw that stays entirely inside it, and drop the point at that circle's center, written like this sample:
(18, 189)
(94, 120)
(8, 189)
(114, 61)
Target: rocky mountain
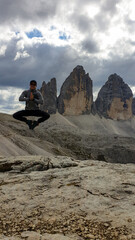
(133, 106)
(49, 92)
(115, 99)
(76, 96)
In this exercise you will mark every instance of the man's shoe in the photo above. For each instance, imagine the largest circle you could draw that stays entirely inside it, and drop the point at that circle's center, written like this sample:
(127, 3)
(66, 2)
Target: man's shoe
(35, 124)
(29, 123)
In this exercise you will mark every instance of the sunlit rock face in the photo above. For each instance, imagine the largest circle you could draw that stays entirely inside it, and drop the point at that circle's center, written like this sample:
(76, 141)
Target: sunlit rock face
(76, 93)
(115, 99)
(49, 93)
(133, 106)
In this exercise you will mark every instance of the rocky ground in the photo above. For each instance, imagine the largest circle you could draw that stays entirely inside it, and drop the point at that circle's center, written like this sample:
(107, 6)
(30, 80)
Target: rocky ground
(65, 180)
(82, 137)
(63, 198)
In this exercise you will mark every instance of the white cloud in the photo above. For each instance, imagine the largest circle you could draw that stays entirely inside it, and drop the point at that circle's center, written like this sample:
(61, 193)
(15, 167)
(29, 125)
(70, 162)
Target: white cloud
(100, 35)
(91, 10)
(133, 90)
(93, 20)
(21, 55)
(10, 100)
(95, 93)
(3, 50)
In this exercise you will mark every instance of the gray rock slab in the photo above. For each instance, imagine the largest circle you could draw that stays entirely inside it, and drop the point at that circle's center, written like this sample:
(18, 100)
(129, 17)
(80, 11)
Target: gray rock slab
(70, 196)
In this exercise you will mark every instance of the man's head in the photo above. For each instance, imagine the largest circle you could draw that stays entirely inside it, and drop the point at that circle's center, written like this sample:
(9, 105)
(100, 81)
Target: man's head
(33, 84)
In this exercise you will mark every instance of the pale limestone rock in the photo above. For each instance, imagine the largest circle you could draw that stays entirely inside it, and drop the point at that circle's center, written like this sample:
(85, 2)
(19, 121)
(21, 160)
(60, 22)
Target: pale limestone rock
(115, 99)
(60, 237)
(117, 112)
(76, 93)
(34, 163)
(31, 235)
(62, 200)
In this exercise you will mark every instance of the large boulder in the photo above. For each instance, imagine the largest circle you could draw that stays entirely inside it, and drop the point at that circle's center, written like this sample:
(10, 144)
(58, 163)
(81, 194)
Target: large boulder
(49, 93)
(133, 106)
(76, 93)
(115, 99)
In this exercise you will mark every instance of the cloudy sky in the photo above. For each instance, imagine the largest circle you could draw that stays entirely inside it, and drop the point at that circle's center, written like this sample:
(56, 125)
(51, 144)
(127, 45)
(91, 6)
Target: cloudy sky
(41, 39)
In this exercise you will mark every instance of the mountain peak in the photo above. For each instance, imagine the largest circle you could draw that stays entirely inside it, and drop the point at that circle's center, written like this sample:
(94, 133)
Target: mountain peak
(115, 99)
(76, 93)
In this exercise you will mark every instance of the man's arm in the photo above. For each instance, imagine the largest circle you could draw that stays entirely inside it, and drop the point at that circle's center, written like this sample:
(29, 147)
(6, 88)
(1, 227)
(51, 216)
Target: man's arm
(23, 97)
(40, 99)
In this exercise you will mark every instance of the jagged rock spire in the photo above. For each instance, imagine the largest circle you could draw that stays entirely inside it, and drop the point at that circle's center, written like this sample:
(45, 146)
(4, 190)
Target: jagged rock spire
(49, 92)
(115, 99)
(76, 93)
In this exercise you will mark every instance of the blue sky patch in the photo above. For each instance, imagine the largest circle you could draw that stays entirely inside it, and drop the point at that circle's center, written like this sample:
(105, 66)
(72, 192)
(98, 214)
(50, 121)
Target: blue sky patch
(17, 33)
(34, 33)
(63, 36)
(52, 28)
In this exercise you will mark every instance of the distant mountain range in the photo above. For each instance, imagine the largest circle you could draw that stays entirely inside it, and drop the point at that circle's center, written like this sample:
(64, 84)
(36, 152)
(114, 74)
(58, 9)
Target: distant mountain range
(115, 99)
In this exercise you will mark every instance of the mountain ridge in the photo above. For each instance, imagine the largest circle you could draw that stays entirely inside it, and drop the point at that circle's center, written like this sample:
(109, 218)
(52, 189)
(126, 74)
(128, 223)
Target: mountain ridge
(114, 100)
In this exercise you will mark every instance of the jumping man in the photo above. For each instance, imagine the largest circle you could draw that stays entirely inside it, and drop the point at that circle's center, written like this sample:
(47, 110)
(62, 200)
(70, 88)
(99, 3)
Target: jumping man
(32, 97)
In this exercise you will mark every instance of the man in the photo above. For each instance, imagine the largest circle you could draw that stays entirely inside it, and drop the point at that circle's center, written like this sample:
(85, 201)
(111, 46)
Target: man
(32, 97)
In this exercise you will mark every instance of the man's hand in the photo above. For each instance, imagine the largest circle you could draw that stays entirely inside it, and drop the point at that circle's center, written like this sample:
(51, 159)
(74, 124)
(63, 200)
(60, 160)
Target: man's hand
(31, 96)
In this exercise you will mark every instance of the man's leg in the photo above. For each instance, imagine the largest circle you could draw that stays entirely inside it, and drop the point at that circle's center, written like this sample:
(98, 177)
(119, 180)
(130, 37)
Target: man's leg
(38, 113)
(20, 116)
(44, 116)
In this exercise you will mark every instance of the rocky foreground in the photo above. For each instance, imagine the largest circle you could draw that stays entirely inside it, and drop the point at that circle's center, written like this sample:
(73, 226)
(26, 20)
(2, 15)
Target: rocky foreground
(66, 179)
(60, 198)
